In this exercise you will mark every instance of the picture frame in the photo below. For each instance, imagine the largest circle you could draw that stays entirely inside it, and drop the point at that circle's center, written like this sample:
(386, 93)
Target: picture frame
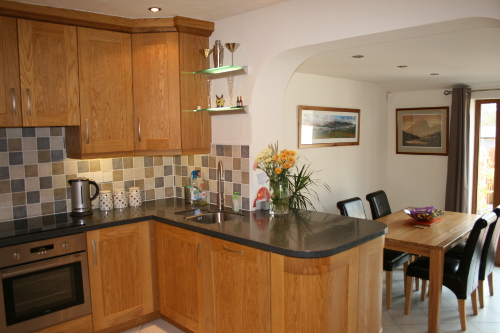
(327, 127)
(422, 131)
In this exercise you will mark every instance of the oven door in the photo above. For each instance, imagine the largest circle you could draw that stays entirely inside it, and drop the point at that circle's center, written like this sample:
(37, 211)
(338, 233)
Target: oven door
(44, 293)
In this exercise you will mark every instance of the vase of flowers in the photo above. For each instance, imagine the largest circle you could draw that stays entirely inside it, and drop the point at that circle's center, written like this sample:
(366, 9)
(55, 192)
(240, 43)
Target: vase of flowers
(289, 185)
(277, 166)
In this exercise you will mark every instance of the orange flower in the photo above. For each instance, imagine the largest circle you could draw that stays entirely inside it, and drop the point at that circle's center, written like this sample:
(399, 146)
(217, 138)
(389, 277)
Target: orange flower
(291, 159)
(278, 170)
(287, 165)
(276, 157)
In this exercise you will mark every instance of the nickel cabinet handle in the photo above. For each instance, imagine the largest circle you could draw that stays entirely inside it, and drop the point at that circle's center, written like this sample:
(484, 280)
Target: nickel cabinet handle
(234, 251)
(28, 95)
(14, 106)
(87, 131)
(95, 252)
(139, 129)
(198, 256)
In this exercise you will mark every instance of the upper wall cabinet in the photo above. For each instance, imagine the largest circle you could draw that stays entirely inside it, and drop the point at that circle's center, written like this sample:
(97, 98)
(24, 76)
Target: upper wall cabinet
(165, 90)
(48, 64)
(10, 111)
(156, 92)
(106, 96)
(44, 56)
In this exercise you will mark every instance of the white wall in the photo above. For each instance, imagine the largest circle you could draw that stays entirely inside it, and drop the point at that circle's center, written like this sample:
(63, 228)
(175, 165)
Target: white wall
(350, 171)
(277, 39)
(414, 180)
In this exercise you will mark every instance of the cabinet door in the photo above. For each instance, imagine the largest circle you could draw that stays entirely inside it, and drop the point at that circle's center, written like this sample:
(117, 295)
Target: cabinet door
(49, 73)
(121, 273)
(10, 109)
(156, 92)
(196, 126)
(182, 262)
(106, 92)
(241, 288)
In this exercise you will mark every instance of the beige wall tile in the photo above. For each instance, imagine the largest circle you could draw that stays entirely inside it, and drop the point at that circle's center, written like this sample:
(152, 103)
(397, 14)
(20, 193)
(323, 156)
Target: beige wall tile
(106, 164)
(16, 171)
(34, 210)
(47, 195)
(44, 169)
(32, 184)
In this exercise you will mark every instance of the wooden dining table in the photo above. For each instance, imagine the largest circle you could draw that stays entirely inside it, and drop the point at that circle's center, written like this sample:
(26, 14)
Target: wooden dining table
(433, 242)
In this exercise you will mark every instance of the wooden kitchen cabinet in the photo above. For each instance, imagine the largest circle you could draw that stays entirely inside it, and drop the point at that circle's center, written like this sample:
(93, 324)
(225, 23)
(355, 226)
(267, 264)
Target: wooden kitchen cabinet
(210, 285)
(339, 293)
(241, 288)
(183, 265)
(40, 74)
(49, 73)
(106, 105)
(10, 110)
(122, 271)
(166, 92)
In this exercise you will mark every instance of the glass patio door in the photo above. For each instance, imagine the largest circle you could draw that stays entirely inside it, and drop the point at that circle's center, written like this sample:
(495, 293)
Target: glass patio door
(486, 192)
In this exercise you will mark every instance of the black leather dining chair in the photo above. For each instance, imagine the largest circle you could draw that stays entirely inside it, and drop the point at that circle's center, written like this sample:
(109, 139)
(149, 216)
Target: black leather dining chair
(487, 263)
(353, 207)
(460, 276)
(379, 204)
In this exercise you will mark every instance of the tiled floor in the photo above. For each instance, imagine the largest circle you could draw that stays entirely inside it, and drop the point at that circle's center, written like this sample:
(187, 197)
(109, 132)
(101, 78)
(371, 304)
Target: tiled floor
(395, 321)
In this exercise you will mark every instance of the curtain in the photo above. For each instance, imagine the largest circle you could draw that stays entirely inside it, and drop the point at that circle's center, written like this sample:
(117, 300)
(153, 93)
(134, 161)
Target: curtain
(457, 182)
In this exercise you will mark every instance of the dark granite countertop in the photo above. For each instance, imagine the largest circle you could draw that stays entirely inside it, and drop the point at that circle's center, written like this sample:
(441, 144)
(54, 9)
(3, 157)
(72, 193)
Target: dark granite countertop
(304, 234)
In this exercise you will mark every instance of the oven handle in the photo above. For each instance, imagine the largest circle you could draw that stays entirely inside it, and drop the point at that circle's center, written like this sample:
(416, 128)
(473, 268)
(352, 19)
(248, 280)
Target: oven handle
(50, 263)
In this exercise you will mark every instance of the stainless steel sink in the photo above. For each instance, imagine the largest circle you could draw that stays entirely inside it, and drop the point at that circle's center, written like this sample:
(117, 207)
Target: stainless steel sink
(213, 217)
(193, 212)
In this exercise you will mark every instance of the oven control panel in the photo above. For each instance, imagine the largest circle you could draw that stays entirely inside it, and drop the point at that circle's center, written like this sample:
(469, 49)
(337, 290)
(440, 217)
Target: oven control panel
(39, 250)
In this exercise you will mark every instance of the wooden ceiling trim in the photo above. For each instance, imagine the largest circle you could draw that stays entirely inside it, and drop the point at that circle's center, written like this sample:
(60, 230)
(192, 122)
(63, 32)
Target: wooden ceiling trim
(106, 22)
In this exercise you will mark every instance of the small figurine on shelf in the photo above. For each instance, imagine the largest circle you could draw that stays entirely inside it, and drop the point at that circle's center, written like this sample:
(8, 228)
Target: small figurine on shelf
(220, 101)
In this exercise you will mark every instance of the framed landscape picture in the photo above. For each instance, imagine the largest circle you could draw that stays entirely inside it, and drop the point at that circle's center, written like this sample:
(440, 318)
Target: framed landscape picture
(327, 127)
(422, 131)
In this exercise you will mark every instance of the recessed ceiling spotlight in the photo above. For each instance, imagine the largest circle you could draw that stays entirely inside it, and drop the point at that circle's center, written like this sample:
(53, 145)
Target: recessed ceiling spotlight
(434, 73)
(402, 66)
(154, 9)
(358, 56)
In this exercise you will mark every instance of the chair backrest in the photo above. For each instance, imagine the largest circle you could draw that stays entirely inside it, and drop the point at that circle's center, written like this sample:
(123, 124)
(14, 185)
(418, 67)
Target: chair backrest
(379, 204)
(468, 270)
(352, 207)
(489, 248)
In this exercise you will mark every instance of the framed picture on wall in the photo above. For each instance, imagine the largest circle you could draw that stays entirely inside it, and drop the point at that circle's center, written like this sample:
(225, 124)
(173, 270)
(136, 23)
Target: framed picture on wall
(328, 127)
(422, 131)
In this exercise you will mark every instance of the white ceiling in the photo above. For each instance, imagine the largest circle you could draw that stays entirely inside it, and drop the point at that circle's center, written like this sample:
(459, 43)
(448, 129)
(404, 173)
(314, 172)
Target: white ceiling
(469, 57)
(208, 10)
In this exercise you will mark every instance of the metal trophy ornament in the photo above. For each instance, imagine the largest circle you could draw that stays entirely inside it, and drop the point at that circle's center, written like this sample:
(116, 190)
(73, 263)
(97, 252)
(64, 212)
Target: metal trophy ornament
(218, 51)
(232, 47)
(206, 53)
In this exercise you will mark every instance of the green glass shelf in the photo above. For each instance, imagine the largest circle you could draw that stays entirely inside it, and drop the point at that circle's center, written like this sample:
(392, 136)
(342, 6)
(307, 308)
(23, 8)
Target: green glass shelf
(224, 110)
(224, 71)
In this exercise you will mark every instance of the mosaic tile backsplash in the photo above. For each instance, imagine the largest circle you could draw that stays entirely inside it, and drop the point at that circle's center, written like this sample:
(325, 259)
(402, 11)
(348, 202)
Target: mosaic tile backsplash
(34, 173)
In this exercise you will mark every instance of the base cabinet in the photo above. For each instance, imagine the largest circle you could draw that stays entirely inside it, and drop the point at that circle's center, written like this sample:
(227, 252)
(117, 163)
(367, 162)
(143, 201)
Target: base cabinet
(182, 270)
(241, 288)
(340, 293)
(210, 285)
(122, 273)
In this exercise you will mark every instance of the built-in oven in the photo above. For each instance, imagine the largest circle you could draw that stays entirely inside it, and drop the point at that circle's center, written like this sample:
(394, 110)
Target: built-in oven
(43, 283)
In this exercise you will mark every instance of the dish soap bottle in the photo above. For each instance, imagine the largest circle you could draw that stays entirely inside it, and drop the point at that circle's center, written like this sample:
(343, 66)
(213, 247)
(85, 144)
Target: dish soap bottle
(195, 193)
(203, 191)
(236, 203)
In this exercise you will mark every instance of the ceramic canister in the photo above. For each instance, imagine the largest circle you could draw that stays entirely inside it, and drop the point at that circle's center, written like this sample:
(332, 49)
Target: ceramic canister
(134, 196)
(120, 198)
(105, 200)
